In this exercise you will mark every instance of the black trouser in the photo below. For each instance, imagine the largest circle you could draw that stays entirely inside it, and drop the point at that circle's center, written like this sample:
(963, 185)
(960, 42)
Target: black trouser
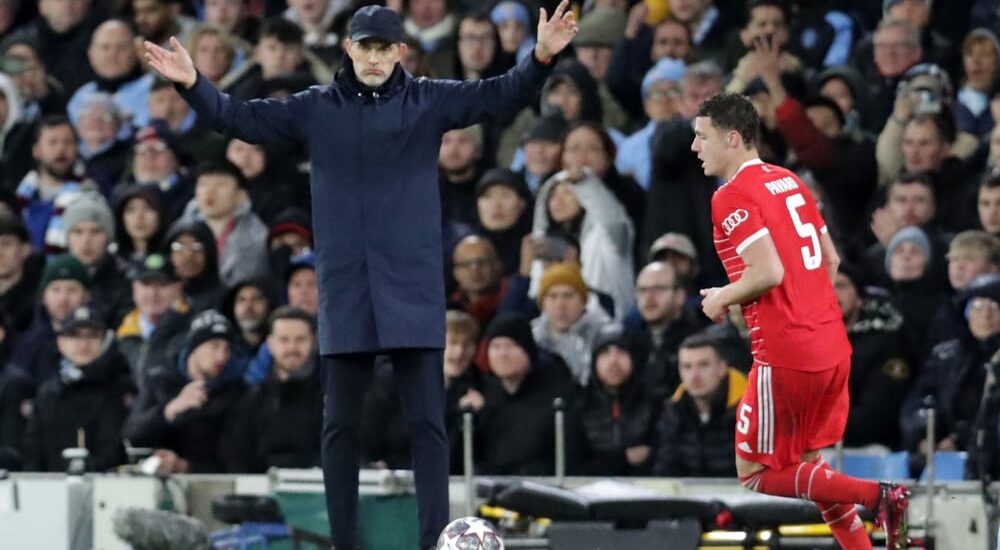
(419, 379)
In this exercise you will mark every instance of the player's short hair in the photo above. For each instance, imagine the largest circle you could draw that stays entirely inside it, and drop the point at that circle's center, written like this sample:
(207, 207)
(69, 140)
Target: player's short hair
(730, 111)
(703, 339)
(976, 241)
(290, 313)
(462, 324)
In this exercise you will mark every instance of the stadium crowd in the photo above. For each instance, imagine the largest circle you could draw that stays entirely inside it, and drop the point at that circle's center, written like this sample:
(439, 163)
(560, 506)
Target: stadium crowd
(158, 286)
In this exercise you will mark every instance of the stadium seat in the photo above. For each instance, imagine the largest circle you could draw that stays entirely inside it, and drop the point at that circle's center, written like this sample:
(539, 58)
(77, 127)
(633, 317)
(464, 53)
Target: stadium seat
(948, 466)
(877, 466)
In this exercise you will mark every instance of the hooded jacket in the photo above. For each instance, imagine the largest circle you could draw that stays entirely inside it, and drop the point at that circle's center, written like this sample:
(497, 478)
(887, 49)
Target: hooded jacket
(94, 400)
(607, 237)
(689, 447)
(379, 251)
(204, 291)
(574, 345)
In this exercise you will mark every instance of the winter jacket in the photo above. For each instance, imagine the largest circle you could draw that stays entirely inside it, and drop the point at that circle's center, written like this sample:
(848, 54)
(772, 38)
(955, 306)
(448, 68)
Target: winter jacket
(141, 351)
(35, 351)
(204, 291)
(689, 447)
(92, 399)
(660, 375)
(573, 346)
(379, 254)
(243, 252)
(16, 389)
(607, 237)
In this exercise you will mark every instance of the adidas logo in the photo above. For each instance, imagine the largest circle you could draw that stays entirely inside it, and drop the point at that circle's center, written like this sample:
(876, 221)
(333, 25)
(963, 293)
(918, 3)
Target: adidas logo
(744, 447)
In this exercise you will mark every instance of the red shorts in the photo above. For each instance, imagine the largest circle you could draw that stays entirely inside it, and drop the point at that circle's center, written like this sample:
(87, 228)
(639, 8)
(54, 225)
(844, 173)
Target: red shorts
(786, 412)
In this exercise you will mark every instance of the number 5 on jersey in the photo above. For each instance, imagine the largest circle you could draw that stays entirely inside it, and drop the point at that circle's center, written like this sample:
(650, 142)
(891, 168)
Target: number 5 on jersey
(812, 256)
(743, 424)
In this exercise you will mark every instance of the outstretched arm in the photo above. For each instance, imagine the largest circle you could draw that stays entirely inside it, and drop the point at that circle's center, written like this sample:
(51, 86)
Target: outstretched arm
(467, 102)
(254, 121)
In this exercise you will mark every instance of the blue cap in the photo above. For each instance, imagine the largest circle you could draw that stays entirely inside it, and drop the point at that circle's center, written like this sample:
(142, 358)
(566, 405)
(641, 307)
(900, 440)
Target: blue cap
(668, 68)
(509, 9)
(376, 22)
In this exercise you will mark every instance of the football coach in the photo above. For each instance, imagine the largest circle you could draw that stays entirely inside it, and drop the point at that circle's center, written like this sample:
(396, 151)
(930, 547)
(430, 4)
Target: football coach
(373, 136)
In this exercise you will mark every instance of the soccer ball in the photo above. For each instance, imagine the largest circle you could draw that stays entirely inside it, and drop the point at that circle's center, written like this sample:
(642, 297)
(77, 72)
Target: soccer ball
(470, 533)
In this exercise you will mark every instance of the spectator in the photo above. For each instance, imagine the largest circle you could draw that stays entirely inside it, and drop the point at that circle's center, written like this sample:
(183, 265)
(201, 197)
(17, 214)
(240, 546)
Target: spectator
(118, 72)
(566, 327)
(577, 202)
(481, 284)
(938, 48)
(972, 255)
(86, 404)
(281, 418)
(90, 231)
(280, 51)
(52, 185)
(193, 254)
(845, 87)
(41, 93)
(660, 94)
(612, 426)
(525, 381)
(766, 27)
(14, 131)
(706, 23)
(214, 52)
(290, 234)
(159, 300)
(195, 141)
(430, 23)
(16, 391)
(140, 222)
(302, 285)
(64, 287)
(896, 47)
(988, 204)
(504, 210)
(317, 20)
(911, 200)
(664, 322)
(188, 406)
(542, 145)
(156, 161)
(479, 53)
(600, 31)
(62, 36)
(881, 370)
(221, 202)
(158, 20)
(677, 250)
(696, 429)
(954, 375)
(103, 153)
(18, 280)
(981, 61)
(273, 186)
(636, 55)
(914, 292)
(513, 23)
(247, 305)
(234, 16)
(459, 164)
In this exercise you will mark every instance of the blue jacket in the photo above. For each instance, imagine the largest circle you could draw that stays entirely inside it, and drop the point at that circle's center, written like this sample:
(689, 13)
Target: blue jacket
(376, 205)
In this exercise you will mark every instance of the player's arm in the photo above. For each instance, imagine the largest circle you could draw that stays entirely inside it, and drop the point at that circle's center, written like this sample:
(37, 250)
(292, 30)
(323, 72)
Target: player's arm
(763, 272)
(831, 259)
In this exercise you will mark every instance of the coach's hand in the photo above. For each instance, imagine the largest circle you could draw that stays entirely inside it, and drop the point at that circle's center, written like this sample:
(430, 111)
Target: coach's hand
(176, 65)
(556, 33)
(713, 305)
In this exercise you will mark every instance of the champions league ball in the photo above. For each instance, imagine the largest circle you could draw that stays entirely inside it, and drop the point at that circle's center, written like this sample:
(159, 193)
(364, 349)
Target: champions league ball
(469, 534)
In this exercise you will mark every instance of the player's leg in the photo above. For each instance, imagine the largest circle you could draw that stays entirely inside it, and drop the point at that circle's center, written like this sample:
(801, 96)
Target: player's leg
(420, 383)
(842, 519)
(346, 379)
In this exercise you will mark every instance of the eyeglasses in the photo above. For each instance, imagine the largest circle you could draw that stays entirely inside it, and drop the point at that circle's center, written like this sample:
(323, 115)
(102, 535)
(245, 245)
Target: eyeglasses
(643, 290)
(474, 262)
(672, 93)
(181, 247)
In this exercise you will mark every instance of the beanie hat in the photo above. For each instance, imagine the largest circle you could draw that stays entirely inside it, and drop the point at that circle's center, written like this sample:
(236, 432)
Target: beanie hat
(610, 335)
(65, 267)
(514, 326)
(986, 285)
(666, 69)
(602, 28)
(157, 130)
(506, 178)
(505, 11)
(551, 127)
(208, 325)
(910, 234)
(562, 274)
(90, 206)
(291, 220)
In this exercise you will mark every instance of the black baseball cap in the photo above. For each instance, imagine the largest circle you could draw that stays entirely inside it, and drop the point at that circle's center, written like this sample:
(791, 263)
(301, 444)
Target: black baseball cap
(156, 269)
(376, 22)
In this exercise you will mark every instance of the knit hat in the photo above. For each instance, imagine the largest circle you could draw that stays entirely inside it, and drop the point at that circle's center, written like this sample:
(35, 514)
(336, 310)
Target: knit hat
(610, 335)
(601, 28)
(505, 11)
(208, 325)
(90, 206)
(506, 178)
(667, 69)
(547, 128)
(986, 285)
(855, 274)
(291, 220)
(910, 234)
(514, 326)
(562, 274)
(65, 267)
(305, 260)
(157, 130)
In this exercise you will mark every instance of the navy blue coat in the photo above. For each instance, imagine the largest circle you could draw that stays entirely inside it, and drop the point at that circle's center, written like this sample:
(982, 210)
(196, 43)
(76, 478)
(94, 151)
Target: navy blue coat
(376, 205)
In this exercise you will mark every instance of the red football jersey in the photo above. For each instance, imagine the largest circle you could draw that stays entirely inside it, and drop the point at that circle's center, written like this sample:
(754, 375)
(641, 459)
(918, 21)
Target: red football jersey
(797, 324)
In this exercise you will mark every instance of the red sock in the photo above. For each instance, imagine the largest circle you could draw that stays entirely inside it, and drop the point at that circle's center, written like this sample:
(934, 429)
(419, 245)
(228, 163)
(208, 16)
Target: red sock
(811, 481)
(846, 525)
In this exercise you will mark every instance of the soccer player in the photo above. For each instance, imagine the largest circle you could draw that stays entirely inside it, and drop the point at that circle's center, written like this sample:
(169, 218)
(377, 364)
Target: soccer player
(780, 261)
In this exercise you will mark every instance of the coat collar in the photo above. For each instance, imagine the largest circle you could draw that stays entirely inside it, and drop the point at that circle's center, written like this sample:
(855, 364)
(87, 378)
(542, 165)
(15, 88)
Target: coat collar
(348, 81)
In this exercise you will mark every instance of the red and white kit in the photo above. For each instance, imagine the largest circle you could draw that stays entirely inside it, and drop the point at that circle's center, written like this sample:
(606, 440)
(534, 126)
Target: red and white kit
(797, 397)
